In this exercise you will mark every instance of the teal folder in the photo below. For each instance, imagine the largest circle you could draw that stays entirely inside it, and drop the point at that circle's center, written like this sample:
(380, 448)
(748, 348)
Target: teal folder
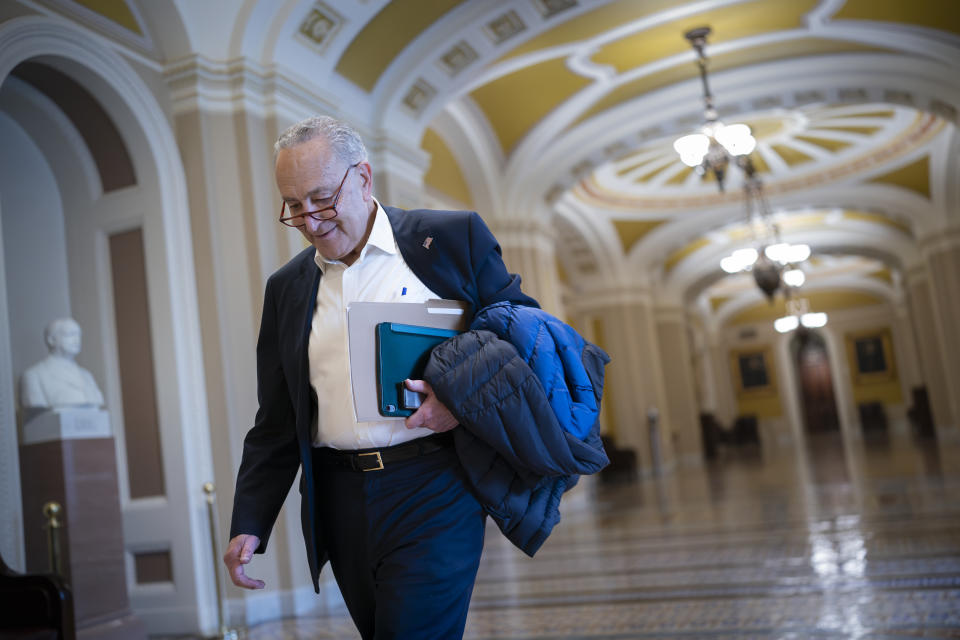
(402, 353)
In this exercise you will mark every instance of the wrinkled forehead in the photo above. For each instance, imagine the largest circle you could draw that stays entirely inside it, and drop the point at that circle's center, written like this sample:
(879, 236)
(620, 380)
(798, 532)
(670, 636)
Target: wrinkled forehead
(308, 167)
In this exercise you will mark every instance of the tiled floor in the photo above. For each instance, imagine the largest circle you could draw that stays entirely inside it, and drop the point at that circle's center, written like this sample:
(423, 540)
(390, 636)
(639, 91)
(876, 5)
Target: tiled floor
(830, 542)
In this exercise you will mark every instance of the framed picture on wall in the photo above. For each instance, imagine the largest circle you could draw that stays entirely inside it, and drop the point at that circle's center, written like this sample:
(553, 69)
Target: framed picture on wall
(871, 355)
(752, 372)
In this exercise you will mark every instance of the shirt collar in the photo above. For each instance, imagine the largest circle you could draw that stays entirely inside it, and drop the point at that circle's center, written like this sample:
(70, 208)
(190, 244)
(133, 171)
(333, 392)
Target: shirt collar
(381, 237)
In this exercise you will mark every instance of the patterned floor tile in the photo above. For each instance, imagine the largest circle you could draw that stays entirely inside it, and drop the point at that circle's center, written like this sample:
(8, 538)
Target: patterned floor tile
(825, 543)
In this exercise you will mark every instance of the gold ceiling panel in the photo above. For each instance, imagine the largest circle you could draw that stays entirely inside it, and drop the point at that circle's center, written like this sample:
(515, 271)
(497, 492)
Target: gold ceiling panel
(514, 103)
(739, 233)
(728, 23)
(790, 223)
(648, 157)
(739, 58)
(859, 130)
(677, 256)
(658, 167)
(789, 155)
(825, 301)
(716, 303)
(802, 220)
(763, 128)
(114, 10)
(934, 14)
(631, 231)
(883, 274)
(866, 114)
(386, 35)
(680, 177)
(877, 218)
(914, 176)
(562, 273)
(594, 23)
(830, 144)
(444, 173)
(759, 163)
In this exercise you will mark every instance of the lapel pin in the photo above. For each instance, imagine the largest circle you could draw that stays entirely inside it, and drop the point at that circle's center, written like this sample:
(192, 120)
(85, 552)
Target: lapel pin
(427, 242)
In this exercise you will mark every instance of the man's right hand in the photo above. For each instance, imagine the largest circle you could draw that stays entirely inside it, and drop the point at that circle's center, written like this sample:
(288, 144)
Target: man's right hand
(239, 552)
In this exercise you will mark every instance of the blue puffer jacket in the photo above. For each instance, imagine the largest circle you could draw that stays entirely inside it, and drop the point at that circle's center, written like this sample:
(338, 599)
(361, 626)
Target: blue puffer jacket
(526, 390)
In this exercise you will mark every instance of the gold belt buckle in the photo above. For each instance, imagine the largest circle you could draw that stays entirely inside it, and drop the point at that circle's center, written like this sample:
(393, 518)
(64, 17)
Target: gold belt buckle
(379, 460)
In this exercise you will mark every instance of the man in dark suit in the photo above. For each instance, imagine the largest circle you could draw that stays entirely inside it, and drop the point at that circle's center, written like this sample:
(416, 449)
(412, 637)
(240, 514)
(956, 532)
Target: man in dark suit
(385, 502)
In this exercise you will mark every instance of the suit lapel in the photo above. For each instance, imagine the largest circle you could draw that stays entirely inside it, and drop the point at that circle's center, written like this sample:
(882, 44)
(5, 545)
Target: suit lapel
(304, 289)
(415, 238)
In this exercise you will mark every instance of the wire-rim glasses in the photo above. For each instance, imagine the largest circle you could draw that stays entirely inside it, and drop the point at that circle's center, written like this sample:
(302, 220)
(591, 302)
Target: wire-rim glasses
(299, 219)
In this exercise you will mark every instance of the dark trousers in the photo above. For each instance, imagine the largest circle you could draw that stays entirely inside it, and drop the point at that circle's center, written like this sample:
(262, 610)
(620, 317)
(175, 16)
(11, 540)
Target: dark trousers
(404, 544)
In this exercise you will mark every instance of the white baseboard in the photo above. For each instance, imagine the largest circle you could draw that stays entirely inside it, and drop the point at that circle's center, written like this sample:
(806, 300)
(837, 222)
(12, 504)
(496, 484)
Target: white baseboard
(287, 603)
(171, 620)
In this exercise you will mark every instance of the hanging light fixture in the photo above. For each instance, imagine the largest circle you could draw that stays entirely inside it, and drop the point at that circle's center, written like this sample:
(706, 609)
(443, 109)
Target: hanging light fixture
(712, 150)
(799, 316)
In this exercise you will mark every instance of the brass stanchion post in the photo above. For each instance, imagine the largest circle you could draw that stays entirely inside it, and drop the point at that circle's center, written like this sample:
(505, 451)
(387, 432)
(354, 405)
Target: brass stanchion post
(51, 511)
(225, 633)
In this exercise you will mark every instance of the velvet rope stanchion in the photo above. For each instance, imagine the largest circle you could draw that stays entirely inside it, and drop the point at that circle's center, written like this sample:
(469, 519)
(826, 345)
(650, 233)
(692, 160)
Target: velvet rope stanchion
(51, 511)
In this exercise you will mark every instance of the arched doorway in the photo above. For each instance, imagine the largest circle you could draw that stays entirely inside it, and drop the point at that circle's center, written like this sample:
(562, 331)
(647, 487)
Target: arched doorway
(815, 381)
(96, 216)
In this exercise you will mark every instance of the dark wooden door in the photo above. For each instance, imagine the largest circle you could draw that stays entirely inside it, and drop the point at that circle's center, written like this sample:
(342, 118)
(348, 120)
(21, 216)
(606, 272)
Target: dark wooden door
(816, 385)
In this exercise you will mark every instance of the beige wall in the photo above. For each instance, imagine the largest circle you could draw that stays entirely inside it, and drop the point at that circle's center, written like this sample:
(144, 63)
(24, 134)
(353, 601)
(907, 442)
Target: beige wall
(779, 411)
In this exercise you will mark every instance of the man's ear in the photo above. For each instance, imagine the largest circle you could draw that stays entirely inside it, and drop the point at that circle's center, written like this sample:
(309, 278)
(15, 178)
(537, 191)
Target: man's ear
(366, 172)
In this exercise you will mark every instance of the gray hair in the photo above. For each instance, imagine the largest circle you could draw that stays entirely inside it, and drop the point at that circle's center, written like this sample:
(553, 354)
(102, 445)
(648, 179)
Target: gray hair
(343, 139)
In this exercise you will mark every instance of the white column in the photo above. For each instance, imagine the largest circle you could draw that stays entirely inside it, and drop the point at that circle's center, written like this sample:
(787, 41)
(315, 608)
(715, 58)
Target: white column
(703, 370)
(529, 249)
(905, 347)
(624, 325)
(725, 409)
(941, 255)
(680, 384)
(928, 348)
(398, 171)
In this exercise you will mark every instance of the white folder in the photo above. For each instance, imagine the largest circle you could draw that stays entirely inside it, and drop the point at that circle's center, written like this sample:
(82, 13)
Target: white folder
(362, 321)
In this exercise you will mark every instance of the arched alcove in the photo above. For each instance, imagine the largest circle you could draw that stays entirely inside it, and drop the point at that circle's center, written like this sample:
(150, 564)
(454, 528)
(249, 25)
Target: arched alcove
(115, 170)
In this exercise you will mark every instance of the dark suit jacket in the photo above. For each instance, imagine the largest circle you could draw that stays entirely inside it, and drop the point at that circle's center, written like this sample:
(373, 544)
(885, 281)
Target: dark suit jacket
(462, 263)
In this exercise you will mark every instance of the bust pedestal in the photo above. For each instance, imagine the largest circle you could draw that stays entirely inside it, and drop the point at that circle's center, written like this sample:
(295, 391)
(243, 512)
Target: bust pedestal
(78, 423)
(68, 455)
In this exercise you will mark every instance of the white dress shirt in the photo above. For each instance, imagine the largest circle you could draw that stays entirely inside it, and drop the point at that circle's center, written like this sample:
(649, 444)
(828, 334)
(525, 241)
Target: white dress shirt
(378, 275)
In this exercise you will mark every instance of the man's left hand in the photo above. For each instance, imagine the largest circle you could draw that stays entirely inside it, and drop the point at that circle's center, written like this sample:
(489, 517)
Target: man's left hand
(432, 413)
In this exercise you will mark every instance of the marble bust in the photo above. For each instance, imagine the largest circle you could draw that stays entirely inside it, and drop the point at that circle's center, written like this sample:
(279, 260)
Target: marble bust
(58, 381)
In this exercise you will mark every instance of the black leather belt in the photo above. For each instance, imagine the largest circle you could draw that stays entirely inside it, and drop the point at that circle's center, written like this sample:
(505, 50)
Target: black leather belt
(378, 459)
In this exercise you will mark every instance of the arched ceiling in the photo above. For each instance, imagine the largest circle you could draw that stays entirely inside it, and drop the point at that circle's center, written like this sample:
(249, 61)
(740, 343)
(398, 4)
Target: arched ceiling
(567, 109)
(833, 284)
(578, 102)
(796, 149)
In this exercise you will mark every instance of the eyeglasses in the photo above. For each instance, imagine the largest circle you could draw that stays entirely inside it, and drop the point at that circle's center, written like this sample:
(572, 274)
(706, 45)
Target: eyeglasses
(319, 215)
